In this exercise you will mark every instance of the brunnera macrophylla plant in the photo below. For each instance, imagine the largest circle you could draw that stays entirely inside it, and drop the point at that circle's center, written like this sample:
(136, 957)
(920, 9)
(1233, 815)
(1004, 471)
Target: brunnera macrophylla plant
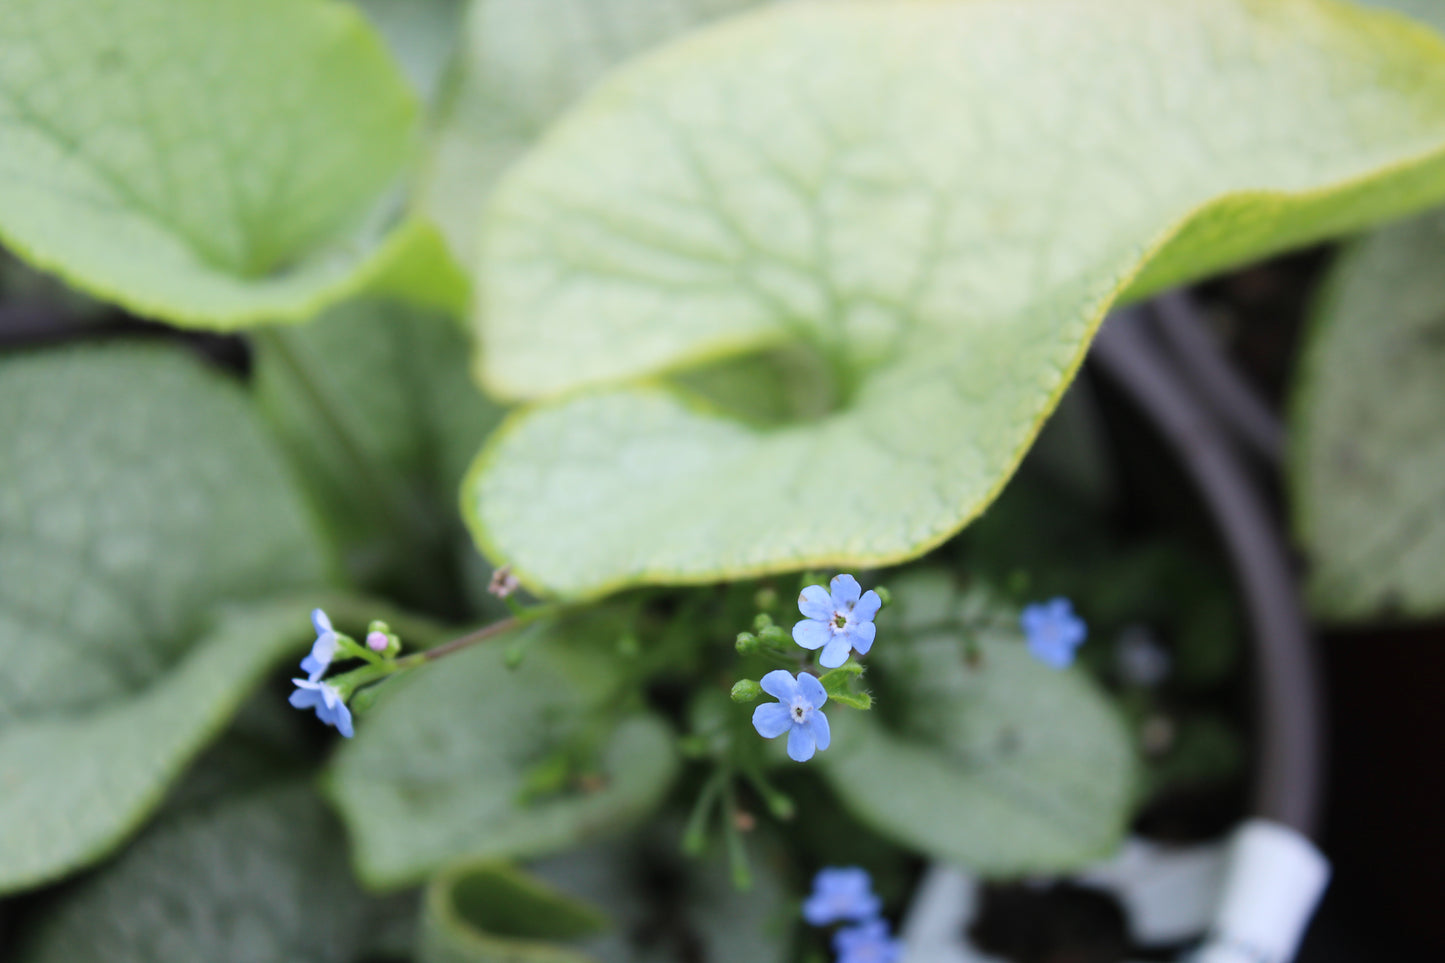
(715, 261)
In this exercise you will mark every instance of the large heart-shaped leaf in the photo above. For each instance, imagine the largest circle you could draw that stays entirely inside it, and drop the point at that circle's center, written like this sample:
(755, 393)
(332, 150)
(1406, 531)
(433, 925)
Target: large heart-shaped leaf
(138, 492)
(1367, 463)
(522, 63)
(442, 768)
(942, 199)
(1011, 766)
(257, 878)
(211, 163)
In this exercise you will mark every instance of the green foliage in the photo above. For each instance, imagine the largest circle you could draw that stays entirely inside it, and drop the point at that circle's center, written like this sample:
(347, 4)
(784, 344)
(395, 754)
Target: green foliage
(1010, 766)
(493, 913)
(213, 164)
(522, 63)
(886, 183)
(1428, 11)
(376, 408)
(1368, 449)
(139, 492)
(442, 768)
(259, 877)
(665, 908)
(421, 35)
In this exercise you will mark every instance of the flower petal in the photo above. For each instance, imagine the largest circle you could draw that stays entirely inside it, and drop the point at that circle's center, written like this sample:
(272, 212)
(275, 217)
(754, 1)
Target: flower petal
(812, 689)
(862, 636)
(1054, 656)
(801, 744)
(822, 735)
(305, 698)
(780, 685)
(772, 719)
(320, 622)
(1060, 608)
(342, 720)
(812, 635)
(845, 591)
(867, 606)
(816, 603)
(835, 653)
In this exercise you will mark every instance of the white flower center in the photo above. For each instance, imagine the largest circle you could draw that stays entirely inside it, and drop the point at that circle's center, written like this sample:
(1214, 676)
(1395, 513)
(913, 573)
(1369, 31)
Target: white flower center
(840, 620)
(801, 710)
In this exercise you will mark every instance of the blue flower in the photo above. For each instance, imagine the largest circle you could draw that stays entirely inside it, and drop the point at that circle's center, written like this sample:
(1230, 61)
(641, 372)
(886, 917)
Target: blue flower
(1053, 631)
(868, 942)
(323, 650)
(837, 622)
(798, 712)
(324, 697)
(841, 894)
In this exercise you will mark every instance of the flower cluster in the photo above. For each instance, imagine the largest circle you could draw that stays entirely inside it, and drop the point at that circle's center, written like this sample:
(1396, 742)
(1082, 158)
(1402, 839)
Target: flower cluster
(311, 692)
(839, 621)
(845, 895)
(329, 698)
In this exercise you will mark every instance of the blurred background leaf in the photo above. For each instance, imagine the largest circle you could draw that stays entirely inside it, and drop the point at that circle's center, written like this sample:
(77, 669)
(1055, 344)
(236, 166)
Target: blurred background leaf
(139, 492)
(211, 164)
(1367, 459)
(470, 758)
(1012, 767)
(376, 409)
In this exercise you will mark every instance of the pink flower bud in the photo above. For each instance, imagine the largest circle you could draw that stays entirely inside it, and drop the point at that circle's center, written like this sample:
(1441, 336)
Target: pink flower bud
(377, 641)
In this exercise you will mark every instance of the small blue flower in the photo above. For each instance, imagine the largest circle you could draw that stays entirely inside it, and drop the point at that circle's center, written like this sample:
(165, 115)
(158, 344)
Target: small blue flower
(323, 696)
(841, 894)
(868, 942)
(838, 621)
(1053, 631)
(798, 712)
(323, 650)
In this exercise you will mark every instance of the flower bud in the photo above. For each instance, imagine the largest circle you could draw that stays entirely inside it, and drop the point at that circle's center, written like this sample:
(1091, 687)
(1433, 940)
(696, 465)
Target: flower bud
(746, 690)
(747, 643)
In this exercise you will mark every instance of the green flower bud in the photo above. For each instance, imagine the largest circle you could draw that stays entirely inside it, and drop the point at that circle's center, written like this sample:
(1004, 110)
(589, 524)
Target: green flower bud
(747, 643)
(775, 635)
(746, 690)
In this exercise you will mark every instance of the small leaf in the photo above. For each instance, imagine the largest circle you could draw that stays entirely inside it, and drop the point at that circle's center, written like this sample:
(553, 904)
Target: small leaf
(518, 69)
(1368, 430)
(138, 493)
(258, 877)
(1011, 766)
(212, 164)
(940, 201)
(439, 772)
(493, 913)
